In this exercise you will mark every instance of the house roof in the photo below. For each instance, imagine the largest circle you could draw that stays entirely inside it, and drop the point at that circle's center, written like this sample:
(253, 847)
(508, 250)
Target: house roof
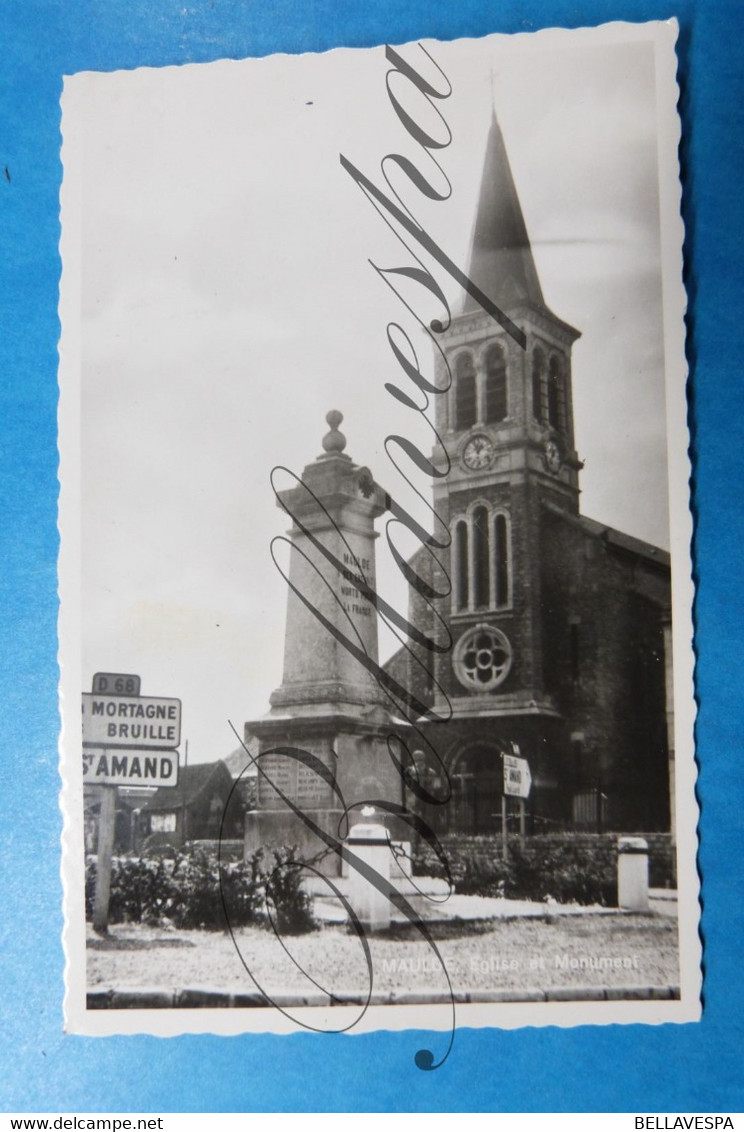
(239, 760)
(192, 781)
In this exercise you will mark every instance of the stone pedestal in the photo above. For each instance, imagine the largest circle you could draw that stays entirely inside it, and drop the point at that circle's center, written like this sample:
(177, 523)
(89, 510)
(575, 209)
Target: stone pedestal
(369, 841)
(357, 760)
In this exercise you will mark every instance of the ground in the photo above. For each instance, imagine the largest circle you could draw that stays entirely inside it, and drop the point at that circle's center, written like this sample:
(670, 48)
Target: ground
(549, 952)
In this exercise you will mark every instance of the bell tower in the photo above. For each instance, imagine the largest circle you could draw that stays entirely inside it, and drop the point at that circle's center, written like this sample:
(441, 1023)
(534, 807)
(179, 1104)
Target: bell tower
(507, 425)
(510, 403)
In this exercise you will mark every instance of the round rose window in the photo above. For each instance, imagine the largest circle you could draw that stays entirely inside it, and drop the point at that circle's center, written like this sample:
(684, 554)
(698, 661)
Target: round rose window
(482, 658)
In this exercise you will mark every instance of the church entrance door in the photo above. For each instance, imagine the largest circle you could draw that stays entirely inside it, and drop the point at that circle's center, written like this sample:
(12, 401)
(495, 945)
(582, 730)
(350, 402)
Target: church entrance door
(477, 786)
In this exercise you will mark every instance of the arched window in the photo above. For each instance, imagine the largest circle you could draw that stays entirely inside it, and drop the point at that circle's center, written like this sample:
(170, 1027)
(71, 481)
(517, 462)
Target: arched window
(501, 557)
(465, 392)
(481, 558)
(461, 579)
(556, 415)
(538, 377)
(496, 406)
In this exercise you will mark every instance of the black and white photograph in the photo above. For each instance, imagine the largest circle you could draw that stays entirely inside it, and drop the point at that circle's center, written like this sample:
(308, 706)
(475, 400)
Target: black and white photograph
(375, 582)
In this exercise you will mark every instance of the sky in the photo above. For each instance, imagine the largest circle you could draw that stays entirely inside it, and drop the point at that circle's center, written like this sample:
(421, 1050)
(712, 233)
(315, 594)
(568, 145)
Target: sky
(218, 299)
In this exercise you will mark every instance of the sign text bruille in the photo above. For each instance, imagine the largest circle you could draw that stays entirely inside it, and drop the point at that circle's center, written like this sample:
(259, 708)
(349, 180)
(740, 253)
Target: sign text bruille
(131, 721)
(402, 77)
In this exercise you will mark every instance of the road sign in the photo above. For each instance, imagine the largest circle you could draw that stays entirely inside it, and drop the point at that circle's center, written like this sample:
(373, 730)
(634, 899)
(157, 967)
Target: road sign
(116, 684)
(130, 768)
(517, 777)
(131, 721)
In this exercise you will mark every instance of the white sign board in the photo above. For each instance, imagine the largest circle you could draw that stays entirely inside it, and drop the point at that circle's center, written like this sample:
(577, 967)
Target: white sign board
(517, 777)
(130, 768)
(131, 721)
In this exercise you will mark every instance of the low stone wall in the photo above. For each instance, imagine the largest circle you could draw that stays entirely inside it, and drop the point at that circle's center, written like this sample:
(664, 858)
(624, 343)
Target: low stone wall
(602, 847)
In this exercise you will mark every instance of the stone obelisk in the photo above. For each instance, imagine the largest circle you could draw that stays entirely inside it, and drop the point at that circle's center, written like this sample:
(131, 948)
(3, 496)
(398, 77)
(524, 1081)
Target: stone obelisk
(329, 703)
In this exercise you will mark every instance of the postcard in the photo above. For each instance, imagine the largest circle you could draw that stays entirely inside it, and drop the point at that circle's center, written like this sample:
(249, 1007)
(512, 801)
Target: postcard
(375, 630)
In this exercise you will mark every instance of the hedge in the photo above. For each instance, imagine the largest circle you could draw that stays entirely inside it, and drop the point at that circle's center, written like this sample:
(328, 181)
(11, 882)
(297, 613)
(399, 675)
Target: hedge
(568, 868)
(186, 892)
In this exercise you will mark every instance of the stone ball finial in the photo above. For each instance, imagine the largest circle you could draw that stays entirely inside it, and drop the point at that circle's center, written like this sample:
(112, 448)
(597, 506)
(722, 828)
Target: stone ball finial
(334, 441)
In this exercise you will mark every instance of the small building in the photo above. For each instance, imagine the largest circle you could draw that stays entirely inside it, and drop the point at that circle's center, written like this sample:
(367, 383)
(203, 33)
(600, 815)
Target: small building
(129, 802)
(201, 807)
(244, 770)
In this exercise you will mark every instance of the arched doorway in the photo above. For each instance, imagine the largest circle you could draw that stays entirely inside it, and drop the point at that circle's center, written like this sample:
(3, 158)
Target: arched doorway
(477, 787)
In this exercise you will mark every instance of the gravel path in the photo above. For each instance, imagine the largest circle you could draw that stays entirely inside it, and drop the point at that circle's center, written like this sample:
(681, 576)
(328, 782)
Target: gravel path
(576, 951)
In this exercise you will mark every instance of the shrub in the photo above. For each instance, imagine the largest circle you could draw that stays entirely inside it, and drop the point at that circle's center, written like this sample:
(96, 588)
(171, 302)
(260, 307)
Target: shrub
(140, 889)
(483, 876)
(291, 907)
(243, 891)
(560, 866)
(196, 901)
(565, 870)
(187, 892)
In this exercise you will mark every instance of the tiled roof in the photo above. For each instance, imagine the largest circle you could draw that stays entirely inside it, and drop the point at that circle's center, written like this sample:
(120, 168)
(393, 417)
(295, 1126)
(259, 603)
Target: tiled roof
(192, 780)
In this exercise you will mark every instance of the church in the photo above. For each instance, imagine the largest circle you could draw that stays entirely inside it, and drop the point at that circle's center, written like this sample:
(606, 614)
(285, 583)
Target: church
(560, 626)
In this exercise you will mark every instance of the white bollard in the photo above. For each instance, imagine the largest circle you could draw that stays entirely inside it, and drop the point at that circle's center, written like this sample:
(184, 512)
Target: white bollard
(632, 874)
(369, 841)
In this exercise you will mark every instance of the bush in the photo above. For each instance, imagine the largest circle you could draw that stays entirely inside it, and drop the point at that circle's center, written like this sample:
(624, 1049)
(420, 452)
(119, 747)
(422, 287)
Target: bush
(197, 896)
(565, 871)
(291, 907)
(482, 876)
(560, 867)
(243, 891)
(187, 892)
(140, 890)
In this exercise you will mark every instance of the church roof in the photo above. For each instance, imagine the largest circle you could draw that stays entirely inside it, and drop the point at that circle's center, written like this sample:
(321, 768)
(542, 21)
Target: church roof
(612, 537)
(501, 262)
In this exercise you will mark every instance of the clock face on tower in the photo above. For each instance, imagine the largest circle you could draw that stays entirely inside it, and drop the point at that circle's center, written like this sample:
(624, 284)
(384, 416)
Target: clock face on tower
(477, 453)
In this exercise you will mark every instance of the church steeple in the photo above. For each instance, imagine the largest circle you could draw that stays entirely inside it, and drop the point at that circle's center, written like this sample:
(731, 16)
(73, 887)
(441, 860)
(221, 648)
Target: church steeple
(508, 411)
(506, 452)
(501, 260)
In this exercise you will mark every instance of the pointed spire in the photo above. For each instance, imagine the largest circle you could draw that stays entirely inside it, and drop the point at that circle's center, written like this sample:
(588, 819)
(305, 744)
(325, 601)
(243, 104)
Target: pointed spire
(501, 260)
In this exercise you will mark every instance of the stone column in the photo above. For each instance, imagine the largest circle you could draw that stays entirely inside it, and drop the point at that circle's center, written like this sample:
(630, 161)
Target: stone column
(329, 703)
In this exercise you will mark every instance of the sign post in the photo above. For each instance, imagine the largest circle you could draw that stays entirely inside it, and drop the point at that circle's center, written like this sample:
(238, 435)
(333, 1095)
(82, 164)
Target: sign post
(128, 740)
(517, 784)
(106, 824)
